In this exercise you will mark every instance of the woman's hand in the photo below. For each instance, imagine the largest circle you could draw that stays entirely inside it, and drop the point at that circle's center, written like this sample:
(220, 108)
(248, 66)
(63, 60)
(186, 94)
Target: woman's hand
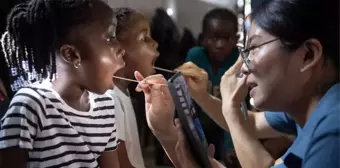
(159, 106)
(233, 87)
(184, 156)
(196, 79)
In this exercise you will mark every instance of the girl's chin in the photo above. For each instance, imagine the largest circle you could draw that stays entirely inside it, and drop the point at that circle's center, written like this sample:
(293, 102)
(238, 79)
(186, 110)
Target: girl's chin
(112, 85)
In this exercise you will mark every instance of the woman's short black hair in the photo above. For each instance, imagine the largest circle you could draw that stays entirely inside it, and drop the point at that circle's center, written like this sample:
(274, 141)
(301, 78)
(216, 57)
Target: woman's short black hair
(295, 21)
(221, 14)
(35, 30)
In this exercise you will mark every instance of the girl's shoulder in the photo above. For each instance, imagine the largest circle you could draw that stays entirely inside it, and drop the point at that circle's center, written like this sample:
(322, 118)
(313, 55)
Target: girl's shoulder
(102, 103)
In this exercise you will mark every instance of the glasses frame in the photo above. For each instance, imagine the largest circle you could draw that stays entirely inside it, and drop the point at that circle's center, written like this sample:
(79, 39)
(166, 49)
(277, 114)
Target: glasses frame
(244, 52)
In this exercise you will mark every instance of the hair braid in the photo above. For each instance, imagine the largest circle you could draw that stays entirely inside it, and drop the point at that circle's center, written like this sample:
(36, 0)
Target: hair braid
(35, 31)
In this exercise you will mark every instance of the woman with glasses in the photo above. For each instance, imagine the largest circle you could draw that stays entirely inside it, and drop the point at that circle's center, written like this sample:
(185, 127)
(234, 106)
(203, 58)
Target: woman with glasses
(291, 68)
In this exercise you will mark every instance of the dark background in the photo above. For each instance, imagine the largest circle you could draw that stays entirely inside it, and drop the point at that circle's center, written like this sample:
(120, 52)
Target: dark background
(255, 3)
(5, 7)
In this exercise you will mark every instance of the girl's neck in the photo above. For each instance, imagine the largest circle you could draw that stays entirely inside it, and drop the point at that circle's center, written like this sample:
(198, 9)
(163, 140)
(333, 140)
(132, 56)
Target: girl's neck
(122, 85)
(72, 94)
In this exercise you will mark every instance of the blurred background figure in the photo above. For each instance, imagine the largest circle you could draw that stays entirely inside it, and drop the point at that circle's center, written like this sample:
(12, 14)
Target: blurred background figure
(217, 53)
(187, 42)
(166, 33)
(5, 82)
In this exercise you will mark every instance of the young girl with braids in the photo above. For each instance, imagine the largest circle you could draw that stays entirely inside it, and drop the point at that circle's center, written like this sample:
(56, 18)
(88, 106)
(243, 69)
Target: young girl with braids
(65, 119)
(133, 33)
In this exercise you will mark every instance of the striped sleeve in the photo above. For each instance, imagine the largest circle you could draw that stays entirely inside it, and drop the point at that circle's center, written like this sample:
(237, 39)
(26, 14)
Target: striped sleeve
(113, 141)
(20, 123)
(120, 120)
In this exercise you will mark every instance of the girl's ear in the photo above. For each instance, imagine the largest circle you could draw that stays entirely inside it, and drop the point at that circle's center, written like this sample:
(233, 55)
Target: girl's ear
(70, 54)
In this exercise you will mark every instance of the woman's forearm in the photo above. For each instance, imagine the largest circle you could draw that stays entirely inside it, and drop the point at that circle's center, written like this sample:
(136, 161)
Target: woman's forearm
(250, 152)
(213, 107)
(168, 141)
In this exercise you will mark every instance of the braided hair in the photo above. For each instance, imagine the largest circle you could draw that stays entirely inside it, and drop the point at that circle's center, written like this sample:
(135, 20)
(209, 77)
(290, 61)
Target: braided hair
(35, 30)
(123, 15)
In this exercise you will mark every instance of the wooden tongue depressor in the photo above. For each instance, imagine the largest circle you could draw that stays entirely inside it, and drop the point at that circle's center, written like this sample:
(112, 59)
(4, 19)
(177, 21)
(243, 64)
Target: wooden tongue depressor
(132, 80)
(164, 70)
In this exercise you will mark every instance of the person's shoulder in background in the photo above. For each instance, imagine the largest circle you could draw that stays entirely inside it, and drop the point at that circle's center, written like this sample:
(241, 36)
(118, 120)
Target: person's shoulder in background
(197, 55)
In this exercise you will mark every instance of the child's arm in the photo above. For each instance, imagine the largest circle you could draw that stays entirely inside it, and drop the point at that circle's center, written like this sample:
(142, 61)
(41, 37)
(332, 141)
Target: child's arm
(123, 156)
(109, 160)
(14, 158)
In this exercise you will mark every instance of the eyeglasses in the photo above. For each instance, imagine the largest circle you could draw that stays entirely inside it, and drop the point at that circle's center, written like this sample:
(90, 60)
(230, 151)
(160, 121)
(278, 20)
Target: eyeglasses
(245, 51)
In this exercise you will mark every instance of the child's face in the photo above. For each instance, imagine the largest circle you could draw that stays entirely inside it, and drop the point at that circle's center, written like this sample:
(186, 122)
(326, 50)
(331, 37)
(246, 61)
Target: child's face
(141, 49)
(98, 51)
(219, 39)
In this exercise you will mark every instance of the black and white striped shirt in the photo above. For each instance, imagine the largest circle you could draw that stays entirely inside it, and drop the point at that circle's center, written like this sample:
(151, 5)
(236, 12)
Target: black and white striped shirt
(55, 134)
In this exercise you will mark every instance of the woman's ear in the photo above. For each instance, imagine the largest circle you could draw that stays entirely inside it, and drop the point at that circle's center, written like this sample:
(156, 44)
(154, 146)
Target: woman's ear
(314, 55)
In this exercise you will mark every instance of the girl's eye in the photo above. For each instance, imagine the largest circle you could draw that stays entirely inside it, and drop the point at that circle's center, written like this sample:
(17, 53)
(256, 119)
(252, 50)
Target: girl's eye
(142, 38)
(112, 38)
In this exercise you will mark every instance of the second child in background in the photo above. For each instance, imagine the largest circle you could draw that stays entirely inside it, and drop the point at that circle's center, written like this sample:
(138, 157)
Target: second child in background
(133, 32)
(217, 53)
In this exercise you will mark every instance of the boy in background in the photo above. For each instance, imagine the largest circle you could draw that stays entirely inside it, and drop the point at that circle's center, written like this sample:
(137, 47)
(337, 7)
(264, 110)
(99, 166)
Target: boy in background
(217, 53)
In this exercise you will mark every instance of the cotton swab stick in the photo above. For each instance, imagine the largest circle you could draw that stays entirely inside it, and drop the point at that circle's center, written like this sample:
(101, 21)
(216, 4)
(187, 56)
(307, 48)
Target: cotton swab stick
(164, 70)
(132, 80)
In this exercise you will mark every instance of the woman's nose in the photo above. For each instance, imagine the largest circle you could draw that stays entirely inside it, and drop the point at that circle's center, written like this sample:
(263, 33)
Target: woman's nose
(245, 69)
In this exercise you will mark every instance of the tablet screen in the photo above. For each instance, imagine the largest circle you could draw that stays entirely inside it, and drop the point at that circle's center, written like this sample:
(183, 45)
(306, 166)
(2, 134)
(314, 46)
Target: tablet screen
(191, 125)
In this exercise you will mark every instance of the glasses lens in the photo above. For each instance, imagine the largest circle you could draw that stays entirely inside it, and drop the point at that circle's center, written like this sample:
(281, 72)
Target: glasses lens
(245, 58)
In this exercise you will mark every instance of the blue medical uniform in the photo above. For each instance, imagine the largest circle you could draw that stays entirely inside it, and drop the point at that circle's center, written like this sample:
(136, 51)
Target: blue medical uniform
(317, 143)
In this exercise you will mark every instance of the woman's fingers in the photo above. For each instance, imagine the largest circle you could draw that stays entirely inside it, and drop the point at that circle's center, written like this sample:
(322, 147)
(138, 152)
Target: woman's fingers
(211, 150)
(236, 67)
(187, 65)
(179, 145)
(196, 74)
(179, 131)
(139, 77)
(146, 84)
(192, 70)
